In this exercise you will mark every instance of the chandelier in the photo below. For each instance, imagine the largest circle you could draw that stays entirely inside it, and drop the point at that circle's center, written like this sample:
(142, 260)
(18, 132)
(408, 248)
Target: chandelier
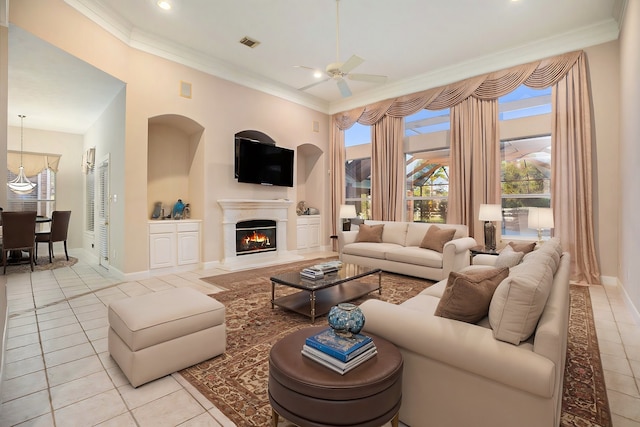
(21, 184)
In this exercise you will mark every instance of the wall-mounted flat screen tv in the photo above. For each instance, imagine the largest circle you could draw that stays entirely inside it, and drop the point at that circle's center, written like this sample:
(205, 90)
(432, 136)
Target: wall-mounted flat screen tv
(266, 164)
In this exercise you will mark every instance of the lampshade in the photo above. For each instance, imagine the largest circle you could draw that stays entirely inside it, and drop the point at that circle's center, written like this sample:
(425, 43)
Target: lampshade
(490, 213)
(348, 211)
(540, 218)
(21, 184)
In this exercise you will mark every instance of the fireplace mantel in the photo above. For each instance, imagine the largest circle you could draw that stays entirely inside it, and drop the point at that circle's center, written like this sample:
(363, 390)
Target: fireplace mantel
(235, 210)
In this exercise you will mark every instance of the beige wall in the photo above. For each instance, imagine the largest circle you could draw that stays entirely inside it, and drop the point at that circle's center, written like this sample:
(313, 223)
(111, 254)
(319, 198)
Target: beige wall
(629, 201)
(220, 107)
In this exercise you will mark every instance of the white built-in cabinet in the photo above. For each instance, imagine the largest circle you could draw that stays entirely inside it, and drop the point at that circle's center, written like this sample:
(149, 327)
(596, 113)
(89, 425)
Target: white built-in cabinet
(174, 243)
(309, 231)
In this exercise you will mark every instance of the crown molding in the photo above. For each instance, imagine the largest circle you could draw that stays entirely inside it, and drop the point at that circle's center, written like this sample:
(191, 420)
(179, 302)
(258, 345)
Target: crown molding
(601, 32)
(598, 33)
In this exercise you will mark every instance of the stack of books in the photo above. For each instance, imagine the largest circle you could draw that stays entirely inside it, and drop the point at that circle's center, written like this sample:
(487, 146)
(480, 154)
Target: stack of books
(339, 353)
(319, 270)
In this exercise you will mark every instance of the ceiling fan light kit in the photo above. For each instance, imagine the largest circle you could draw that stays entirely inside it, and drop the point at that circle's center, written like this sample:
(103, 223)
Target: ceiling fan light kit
(339, 70)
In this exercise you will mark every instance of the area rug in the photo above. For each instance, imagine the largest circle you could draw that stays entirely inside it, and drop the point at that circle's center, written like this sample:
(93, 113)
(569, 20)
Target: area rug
(584, 399)
(42, 264)
(236, 382)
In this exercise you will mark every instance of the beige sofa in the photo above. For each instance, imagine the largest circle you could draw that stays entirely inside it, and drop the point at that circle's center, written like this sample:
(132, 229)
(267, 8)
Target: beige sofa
(400, 250)
(461, 374)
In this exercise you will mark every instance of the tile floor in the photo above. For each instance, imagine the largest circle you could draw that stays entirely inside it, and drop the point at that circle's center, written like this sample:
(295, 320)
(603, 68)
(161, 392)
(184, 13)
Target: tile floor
(58, 371)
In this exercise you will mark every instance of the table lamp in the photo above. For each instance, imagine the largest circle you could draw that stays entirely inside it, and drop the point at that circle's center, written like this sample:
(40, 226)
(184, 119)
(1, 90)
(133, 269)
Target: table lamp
(488, 214)
(540, 218)
(346, 213)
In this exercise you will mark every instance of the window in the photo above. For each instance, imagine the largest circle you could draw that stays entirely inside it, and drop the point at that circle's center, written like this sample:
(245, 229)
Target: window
(427, 186)
(427, 121)
(42, 199)
(358, 171)
(525, 175)
(525, 169)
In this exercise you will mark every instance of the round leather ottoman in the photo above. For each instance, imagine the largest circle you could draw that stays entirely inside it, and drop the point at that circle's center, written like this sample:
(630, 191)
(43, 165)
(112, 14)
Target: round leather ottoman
(311, 395)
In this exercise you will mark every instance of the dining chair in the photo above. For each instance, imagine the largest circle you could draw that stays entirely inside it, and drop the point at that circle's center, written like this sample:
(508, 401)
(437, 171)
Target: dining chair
(18, 234)
(57, 233)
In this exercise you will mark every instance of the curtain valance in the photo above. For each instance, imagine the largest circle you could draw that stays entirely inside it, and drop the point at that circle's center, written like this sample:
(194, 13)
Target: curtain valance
(33, 163)
(538, 75)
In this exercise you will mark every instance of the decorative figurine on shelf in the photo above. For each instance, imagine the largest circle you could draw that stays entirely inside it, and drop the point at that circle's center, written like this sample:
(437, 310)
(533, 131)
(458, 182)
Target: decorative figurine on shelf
(157, 210)
(178, 208)
(186, 213)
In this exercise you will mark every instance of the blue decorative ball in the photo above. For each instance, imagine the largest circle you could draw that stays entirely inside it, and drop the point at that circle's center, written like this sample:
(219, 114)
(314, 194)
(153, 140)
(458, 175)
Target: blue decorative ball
(346, 319)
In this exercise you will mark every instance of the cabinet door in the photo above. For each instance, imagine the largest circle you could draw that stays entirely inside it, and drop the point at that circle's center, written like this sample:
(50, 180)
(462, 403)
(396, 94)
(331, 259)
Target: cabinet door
(188, 248)
(313, 234)
(302, 236)
(162, 249)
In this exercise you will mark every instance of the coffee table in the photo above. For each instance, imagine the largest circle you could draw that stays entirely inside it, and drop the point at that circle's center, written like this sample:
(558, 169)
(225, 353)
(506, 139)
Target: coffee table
(311, 395)
(316, 297)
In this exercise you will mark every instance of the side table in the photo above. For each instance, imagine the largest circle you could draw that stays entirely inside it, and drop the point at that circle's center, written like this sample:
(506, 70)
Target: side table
(480, 250)
(311, 395)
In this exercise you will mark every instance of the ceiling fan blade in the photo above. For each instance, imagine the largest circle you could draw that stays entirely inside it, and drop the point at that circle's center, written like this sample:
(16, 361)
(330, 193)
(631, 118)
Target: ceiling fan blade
(351, 63)
(314, 84)
(344, 88)
(371, 78)
(305, 67)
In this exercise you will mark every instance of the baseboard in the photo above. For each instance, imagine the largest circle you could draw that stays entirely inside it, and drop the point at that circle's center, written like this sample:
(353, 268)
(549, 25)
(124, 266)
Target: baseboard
(627, 300)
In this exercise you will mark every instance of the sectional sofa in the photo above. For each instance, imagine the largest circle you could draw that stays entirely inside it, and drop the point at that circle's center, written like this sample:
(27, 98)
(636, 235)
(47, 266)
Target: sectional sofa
(503, 370)
(399, 250)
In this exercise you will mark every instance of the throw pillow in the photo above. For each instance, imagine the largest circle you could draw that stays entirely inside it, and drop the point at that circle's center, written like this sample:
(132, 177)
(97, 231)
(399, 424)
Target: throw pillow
(370, 233)
(508, 257)
(518, 302)
(435, 238)
(523, 247)
(467, 296)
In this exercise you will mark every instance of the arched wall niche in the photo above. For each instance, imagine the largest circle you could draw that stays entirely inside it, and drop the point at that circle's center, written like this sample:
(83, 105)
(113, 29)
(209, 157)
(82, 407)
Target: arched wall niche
(175, 163)
(309, 176)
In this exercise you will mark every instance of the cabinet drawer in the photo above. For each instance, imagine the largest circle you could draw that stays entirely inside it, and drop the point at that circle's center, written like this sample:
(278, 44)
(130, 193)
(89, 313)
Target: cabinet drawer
(161, 228)
(188, 226)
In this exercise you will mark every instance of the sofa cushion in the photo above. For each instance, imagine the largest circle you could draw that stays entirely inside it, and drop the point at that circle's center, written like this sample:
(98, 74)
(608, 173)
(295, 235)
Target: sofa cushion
(522, 247)
(416, 256)
(394, 232)
(519, 301)
(508, 257)
(370, 250)
(370, 233)
(436, 237)
(467, 296)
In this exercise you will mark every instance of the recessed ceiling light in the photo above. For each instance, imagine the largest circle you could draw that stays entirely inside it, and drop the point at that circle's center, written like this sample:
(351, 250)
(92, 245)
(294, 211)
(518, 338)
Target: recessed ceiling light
(164, 4)
(317, 74)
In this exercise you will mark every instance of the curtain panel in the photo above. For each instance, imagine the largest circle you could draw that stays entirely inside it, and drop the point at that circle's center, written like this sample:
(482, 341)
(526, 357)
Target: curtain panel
(387, 169)
(337, 158)
(567, 75)
(33, 163)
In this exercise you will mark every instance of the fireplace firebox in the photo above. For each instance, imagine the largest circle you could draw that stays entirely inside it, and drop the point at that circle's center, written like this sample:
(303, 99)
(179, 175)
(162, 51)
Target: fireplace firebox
(254, 236)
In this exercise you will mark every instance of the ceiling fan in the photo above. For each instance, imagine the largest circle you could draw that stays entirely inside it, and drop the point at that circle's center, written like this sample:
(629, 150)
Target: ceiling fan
(338, 71)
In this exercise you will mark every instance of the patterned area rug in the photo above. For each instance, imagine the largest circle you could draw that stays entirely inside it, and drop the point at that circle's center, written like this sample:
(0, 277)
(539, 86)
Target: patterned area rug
(584, 400)
(236, 382)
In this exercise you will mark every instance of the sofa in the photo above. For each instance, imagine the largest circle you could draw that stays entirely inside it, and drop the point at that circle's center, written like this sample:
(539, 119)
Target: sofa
(399, 250)
(474, 374)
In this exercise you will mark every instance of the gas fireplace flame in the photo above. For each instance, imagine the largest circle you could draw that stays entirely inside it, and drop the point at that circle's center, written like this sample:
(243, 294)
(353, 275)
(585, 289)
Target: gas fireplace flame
(256, 238)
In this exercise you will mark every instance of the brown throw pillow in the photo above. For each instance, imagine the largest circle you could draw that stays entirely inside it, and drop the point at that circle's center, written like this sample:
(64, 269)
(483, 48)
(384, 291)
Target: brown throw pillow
(467, 296)
(370, 233)
(523, 247)
(435, 238)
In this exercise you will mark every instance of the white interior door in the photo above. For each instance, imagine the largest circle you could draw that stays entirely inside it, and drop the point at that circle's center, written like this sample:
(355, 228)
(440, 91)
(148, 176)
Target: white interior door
(103, 212)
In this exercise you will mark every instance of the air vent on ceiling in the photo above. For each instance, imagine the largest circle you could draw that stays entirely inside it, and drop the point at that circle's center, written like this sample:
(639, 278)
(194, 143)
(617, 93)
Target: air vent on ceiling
(249, 42)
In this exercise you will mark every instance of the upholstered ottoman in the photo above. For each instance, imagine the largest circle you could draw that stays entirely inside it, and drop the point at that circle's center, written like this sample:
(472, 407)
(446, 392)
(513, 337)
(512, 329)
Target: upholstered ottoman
(153, 335)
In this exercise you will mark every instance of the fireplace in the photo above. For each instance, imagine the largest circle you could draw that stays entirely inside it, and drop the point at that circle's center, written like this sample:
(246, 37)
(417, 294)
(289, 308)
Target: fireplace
(235, 211)
(255, 236)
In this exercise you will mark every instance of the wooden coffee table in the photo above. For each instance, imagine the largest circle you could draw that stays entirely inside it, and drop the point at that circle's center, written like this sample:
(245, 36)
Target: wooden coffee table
(309, 394)
(316, 297)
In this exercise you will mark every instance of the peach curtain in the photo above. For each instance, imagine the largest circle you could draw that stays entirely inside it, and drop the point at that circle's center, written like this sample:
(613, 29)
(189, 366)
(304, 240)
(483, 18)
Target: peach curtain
(387, 169)
(337, 159)
(474, 171)
(571, 175)
(567, 75)
(33, 163)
